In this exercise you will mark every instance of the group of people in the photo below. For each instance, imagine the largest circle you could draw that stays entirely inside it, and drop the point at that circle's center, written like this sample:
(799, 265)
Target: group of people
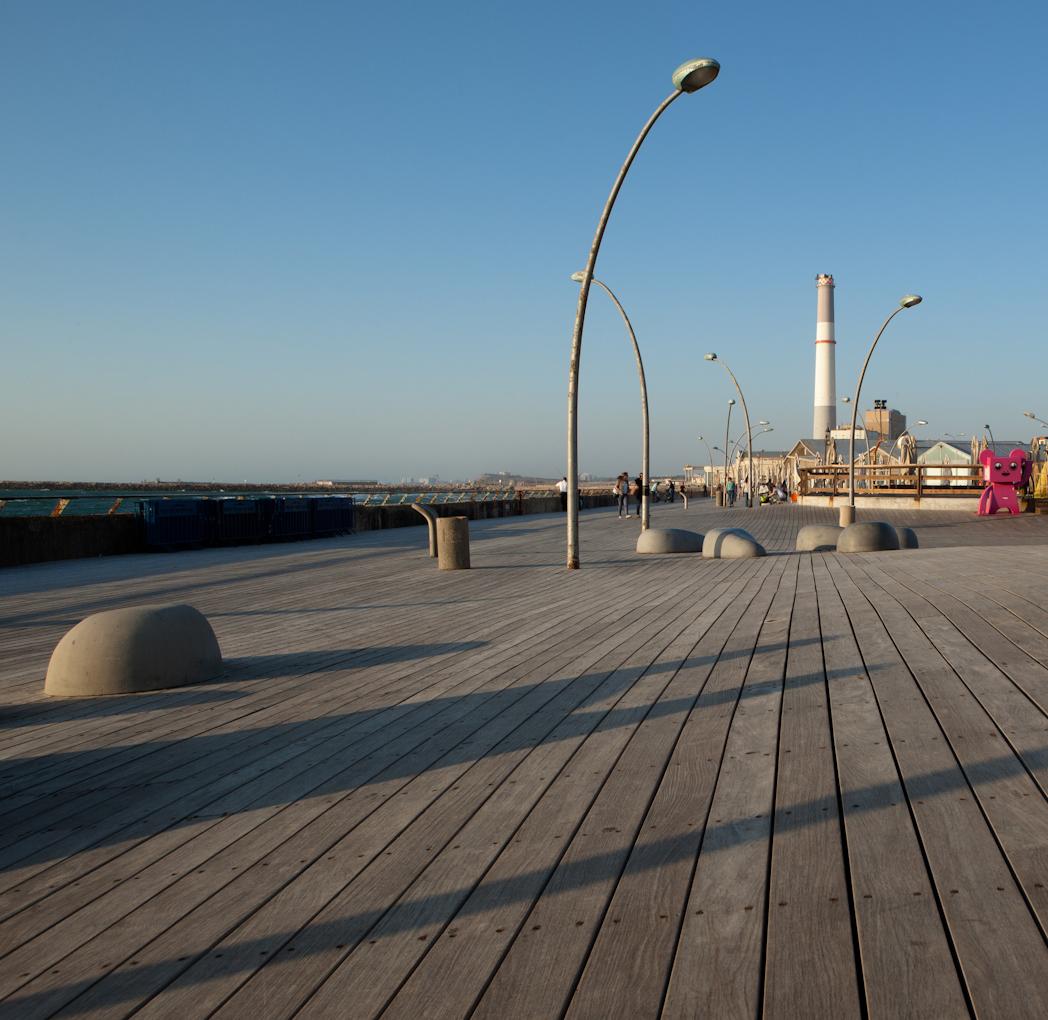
(766, 492)
(628, 491)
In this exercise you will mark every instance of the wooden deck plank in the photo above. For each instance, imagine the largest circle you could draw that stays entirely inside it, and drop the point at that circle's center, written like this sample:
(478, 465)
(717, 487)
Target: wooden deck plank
(1007, 793)
(716, 969)
(1000, 950)
(623, 750)
(808, 895)
(341, 921)
(627, 969)
(908, 970)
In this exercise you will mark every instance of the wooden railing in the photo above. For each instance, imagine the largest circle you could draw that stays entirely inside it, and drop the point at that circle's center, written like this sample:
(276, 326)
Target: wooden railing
(893, 479)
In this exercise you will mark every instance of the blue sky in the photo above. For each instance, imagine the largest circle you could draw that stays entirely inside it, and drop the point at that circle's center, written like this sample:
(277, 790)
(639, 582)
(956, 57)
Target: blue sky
(278, 240)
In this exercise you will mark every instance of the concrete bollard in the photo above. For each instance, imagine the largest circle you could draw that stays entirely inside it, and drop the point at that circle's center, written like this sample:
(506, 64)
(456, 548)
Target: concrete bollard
(453, 543)
(846, 516)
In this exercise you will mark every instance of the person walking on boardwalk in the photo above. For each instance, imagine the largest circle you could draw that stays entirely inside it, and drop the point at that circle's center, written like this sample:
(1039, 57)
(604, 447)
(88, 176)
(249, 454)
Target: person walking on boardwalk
(562, 488)
(622, 490)
(671, 490)
(637, 490)
(729, 491)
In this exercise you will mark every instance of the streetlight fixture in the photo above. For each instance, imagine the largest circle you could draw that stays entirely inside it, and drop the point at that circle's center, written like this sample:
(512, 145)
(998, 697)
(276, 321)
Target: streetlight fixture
(645, 517)
(749, 431)
(689, 77)
(847, 515)
(1033, 417)
(993, 442)
(727, 443)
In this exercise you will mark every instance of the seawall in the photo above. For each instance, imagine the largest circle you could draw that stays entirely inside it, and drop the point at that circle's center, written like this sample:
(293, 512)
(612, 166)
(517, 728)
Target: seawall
(41, 539)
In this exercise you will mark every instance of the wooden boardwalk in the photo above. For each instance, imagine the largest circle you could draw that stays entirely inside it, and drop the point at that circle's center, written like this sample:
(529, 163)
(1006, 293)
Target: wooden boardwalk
(805, 786)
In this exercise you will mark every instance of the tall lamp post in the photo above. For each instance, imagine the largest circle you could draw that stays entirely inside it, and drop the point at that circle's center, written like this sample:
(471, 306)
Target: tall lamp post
(727, 446)
(749, 431)
(847, 515)
(689, 77)
(713, 467)
(645, 518)
(993, 442)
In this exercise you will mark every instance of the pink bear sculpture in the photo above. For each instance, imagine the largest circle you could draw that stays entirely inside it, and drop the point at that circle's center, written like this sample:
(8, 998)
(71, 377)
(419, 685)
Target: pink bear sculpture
(1003, 475)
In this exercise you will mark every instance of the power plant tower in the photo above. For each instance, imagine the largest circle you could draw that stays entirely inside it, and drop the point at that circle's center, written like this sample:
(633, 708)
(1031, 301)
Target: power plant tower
(825, 360)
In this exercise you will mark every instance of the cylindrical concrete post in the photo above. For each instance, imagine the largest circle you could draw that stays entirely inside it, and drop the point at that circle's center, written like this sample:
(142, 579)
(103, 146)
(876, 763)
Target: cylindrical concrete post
(846, 516)
(453, 543)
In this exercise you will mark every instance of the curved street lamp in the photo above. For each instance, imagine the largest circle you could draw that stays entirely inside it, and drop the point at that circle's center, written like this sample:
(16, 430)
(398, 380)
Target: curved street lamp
(865, 434)
(760, 432)
(1033, 417)
(645, 517)
(689, 77)
(727, 444)
(749, 431)
(713, 467)
(847, 515)
(993, 442)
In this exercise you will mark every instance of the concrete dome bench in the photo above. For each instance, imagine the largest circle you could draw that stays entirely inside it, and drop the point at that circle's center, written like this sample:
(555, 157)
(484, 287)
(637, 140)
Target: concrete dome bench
(127, 651)
(869, 536)
(730, 544)
(818, 538)
(669, 540)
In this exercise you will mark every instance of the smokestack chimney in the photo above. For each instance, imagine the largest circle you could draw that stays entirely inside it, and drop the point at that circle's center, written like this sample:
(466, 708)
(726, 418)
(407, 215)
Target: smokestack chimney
(825, 360)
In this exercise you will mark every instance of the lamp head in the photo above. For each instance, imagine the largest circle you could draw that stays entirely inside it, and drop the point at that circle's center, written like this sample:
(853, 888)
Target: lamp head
(845, 400)
(578, 277)
(909, 300)
(710, 357)
(986, 426)
(693, 75)
(731, 401)
(764, 423)
(1029, 414)
(921, 421)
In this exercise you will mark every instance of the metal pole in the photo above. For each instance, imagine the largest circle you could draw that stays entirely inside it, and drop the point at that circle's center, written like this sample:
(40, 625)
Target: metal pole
(855, 413)
(576, 338)
(749, 432)
(727, 429)
(645, 518)
(713, 467)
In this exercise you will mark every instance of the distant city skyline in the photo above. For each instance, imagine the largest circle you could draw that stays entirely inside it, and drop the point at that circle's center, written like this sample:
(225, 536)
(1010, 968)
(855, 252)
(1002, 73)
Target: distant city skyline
(283, 242)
